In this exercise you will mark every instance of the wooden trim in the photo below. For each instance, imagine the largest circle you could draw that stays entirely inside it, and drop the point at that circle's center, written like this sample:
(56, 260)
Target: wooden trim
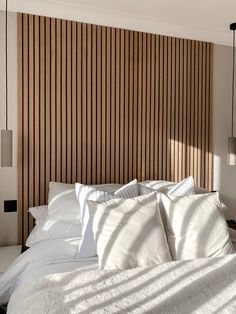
(100, 104)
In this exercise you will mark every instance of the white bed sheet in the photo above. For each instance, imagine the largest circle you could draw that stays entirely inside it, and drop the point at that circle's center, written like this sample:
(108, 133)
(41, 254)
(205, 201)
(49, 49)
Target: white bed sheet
(44, 258)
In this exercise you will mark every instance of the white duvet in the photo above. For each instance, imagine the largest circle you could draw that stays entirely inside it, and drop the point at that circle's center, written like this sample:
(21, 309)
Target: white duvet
(47, 257)
(197, 286)
(49, 277)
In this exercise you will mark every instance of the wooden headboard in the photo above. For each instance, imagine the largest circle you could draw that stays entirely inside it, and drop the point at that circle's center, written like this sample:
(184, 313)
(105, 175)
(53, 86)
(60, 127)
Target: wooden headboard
(100, 104)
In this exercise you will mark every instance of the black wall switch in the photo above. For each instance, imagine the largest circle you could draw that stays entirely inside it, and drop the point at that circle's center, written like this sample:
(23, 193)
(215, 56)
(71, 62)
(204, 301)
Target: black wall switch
(10, 206)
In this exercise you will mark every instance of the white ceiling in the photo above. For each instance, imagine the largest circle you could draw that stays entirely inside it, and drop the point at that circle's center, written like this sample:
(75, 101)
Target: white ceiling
(206, 20)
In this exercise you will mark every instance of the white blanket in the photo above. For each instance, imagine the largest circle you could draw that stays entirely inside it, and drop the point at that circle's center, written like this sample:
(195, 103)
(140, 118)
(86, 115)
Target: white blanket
(197, 286)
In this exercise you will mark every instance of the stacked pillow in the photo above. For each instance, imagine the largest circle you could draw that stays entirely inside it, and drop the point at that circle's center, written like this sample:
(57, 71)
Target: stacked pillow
(47, 228)
(61, 217)
(183, 188)
(129, 232)
(196, 226)
(85, 193)
(137, 224)
(63, 204)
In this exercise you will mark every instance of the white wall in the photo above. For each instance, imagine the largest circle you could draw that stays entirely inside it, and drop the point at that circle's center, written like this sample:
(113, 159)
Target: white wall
(224, 175)
(182, 18)
(8, 176)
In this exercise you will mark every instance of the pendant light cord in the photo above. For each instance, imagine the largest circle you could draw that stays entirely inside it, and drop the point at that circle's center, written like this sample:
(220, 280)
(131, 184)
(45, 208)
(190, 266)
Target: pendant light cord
(6, 71)
(232, 127)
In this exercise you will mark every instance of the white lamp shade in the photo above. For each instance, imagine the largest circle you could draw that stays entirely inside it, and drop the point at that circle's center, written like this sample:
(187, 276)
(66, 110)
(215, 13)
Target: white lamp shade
(6, 148)
(231, 158)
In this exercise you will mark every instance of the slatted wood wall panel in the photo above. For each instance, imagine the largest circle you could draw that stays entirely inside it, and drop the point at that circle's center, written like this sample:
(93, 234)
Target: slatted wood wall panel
(99, 104)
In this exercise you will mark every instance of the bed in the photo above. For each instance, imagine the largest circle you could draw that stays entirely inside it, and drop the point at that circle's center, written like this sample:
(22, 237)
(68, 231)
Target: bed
(53, 277)
(59, 284)
(111, 139)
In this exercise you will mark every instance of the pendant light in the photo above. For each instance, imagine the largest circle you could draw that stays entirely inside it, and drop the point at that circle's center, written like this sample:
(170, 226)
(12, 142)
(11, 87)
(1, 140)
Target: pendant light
(6, 135)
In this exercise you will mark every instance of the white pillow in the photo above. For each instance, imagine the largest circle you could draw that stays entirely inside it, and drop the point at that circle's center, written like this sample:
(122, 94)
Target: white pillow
(157, 185)
(129, 232)
(183, 188)
(85, 193)
(46, 228)
(39, 212)
(62, 201)
(196, 226)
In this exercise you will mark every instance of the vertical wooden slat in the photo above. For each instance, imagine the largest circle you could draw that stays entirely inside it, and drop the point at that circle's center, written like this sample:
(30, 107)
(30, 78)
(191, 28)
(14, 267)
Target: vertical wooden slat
(99, 104)
(139, 124)
(104, 111)
(148, 107)
(130, 106)
(160, 107)
(117, 108)
(113, 99)
(122, 105)
(94, 104)
(25, 122)
(68, 102)
(157, 105)
(47, 105)
(188, 109)
(210, 87)
(126, 107)
(207, 152)
(165, 108)
(79, 103)
(135, 105)
(108, 105)
(31, 117)
(74, 102)
(58, 101)
(42, 110)
(203, 117)
(53, 100)
(20, 209)
(185, 99)
(181, 118)
(144, 104)
(175, 109)
(196, 110)
(84, 103)
(89, 105)
(36, 110)
(169, 118)
(199, 117)
(152, 111)
(63, 102)
(192, 107)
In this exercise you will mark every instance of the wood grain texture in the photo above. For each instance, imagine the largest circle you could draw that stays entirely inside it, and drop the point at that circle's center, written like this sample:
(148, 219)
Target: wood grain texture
(100, 105)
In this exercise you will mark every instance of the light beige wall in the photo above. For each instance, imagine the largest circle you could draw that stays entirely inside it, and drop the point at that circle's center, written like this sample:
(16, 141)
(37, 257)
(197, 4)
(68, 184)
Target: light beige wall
(8, 176)
(224, 175)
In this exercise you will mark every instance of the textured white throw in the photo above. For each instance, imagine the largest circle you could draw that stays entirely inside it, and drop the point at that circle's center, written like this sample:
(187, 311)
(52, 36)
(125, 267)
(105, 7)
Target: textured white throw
(197, 286)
